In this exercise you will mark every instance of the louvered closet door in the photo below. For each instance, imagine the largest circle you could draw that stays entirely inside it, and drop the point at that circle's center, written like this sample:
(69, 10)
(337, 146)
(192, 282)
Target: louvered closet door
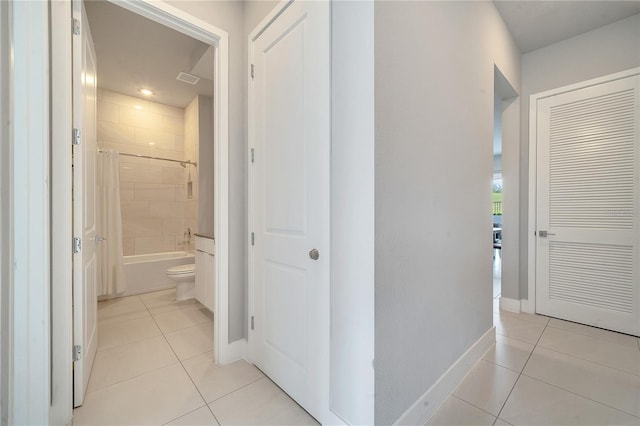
(588, 201)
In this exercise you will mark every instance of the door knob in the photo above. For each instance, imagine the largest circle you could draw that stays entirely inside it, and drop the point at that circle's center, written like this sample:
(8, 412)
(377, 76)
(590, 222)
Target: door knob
(314, 254)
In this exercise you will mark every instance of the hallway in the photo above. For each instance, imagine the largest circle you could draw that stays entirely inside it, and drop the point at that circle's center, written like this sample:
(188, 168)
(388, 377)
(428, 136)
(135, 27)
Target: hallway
(154, 366)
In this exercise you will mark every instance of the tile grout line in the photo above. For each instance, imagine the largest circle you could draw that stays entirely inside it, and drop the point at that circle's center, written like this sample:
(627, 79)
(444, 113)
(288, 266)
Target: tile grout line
(181, 365)
(178, 360)
(521, 372)
(466, 402)
(206, 404)
(590, 336)
(588, 360)
(581, 396)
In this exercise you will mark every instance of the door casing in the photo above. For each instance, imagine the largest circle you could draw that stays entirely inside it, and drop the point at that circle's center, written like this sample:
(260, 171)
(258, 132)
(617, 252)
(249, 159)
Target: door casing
(170, 16)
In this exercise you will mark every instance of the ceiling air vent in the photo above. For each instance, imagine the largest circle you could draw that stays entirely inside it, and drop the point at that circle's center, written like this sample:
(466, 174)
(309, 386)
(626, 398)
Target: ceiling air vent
(188, 78)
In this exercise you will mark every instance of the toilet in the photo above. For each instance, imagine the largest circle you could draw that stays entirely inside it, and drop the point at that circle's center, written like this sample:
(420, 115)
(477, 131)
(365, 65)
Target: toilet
(185, 279)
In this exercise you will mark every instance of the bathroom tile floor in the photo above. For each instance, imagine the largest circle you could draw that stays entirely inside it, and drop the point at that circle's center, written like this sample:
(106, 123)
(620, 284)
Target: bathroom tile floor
(154, 366)
(545, 371)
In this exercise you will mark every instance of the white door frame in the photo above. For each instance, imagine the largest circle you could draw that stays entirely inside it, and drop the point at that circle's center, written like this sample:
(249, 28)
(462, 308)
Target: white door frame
(533, 169)
(172, 17)
(61, 214)
(328, 415)
(26, 246)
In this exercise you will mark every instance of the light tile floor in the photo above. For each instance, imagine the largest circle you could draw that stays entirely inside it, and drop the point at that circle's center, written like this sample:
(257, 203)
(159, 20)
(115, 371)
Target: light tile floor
(545, 371)
(154, 366)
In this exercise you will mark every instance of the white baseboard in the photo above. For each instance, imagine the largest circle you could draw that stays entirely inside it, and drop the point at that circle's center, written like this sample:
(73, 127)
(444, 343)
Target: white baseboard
(510, 305)
(233, 352)
(515, 306)
(430, 401)
(525, 306)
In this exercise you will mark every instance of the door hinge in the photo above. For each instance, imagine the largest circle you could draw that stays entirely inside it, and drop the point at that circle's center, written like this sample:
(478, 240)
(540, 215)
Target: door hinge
(75, 26)
(76, 136)
(77, 245)
(253, 158)
(253, 239)
(252, 322)
(77, 352)
(251, 71)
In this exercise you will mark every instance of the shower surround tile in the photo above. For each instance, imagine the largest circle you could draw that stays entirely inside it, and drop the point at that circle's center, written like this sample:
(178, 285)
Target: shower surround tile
(138, 126)
(152, 138)
(114, 132)
(134, 173)
(140, 118)
(155, 191)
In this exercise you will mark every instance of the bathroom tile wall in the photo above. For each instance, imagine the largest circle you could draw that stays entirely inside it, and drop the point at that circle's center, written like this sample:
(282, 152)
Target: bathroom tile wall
(152, 192)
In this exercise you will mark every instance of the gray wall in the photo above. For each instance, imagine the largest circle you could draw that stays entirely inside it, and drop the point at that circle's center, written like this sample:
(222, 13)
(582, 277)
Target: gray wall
(228, 16)
(434, 74)
(608, 49)
(206, 164)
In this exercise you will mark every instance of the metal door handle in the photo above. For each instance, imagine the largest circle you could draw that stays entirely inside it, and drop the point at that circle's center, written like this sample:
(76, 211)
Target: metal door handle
(99, 238)
(314, 254)
(544, 234)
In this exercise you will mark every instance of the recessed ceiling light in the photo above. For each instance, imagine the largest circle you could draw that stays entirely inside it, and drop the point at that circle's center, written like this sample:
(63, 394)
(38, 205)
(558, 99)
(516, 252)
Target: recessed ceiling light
(146, 92)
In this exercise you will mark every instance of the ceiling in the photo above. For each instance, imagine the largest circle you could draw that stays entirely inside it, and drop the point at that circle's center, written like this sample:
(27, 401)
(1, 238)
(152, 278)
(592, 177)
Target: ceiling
(536, 24)
(134, 52)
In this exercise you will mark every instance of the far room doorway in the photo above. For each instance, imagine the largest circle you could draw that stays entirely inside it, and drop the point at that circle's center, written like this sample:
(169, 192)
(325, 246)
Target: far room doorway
(504, 194)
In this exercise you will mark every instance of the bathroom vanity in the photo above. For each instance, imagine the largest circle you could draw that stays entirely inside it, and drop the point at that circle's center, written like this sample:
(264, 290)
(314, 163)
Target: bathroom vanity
(205, 271)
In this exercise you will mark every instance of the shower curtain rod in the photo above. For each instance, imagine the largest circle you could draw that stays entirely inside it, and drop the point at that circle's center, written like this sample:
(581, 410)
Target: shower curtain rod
(183, 162)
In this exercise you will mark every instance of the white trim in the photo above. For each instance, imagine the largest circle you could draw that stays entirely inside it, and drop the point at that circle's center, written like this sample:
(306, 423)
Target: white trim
(6, 208)
(266, 21)
(61, 213)
(172, 17)
(533, 167)
(430, 401)
(510, 305)
(514, 305)
(30, 394)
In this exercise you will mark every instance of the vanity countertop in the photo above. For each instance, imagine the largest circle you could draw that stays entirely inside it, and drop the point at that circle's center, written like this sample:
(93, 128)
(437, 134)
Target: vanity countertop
(197, 234)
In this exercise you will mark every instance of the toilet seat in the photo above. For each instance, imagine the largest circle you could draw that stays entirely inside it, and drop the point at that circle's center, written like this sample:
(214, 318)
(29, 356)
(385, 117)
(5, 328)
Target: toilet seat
(182, 269)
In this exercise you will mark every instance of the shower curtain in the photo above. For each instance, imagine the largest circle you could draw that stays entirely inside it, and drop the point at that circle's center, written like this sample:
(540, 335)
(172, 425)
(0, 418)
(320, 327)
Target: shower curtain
(109, 250)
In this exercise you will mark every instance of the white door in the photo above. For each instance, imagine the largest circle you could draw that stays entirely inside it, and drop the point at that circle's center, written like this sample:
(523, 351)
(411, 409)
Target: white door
(290, 135)
(85, 267)
(588, 201)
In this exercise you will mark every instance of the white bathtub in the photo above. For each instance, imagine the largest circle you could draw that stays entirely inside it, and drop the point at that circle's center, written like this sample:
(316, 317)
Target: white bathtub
(146, 272)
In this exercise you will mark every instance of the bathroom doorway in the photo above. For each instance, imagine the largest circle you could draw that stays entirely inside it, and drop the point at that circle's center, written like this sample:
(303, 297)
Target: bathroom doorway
(148, 131)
